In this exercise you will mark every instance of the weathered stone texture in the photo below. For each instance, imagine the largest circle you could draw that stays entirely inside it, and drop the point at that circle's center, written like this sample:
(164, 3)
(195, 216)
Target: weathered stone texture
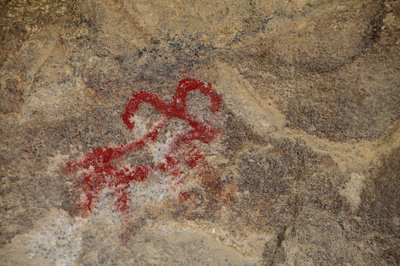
(304, 171)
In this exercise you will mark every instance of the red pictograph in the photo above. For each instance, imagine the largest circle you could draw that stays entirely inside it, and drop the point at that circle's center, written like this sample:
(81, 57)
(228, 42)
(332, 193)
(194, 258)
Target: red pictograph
(99, 167)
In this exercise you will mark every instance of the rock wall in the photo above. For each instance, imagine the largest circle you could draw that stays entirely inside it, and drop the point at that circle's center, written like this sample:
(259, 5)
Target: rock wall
(298, 164)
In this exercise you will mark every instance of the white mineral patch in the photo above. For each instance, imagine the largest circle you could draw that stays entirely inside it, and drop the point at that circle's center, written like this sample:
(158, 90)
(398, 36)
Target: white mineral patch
(141, 127)
(105, 210)
(159, 187)
(352, 190)
(55, 240)
(58, 240)
(161, 149)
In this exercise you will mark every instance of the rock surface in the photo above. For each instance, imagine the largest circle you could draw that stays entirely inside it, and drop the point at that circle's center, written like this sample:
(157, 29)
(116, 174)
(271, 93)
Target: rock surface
(303, 168)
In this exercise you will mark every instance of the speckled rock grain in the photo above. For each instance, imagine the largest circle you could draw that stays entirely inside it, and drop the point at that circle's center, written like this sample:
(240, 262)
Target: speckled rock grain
(306, 168)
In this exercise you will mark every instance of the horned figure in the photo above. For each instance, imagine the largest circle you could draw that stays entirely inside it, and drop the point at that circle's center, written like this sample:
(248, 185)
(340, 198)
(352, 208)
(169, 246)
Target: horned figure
(98, 167)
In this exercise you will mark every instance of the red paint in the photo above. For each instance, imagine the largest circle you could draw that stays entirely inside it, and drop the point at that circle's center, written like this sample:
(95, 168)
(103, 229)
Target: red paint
(195, 158)
(184, 196)
(99, 170)
(169, 163)
(180, 182)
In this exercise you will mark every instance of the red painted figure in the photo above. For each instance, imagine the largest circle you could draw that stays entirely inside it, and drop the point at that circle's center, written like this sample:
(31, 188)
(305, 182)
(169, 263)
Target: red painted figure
(99, 165)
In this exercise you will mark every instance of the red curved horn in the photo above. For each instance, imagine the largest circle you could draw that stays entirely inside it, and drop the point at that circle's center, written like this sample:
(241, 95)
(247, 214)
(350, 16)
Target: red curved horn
(136, 100)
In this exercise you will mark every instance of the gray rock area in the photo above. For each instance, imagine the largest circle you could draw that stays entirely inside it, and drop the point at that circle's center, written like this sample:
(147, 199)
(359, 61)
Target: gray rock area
(301, 165)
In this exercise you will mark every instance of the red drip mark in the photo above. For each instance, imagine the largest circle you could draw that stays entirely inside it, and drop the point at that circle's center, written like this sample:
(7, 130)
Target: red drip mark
(98, 166)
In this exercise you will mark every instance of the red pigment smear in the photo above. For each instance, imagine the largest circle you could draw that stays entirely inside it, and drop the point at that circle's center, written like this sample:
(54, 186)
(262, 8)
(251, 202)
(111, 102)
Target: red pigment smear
(194, 158)
(184, 196)
(98, 166)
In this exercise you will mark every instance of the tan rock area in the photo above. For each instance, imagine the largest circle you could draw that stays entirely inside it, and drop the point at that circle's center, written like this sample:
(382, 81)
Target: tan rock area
(158, 132)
